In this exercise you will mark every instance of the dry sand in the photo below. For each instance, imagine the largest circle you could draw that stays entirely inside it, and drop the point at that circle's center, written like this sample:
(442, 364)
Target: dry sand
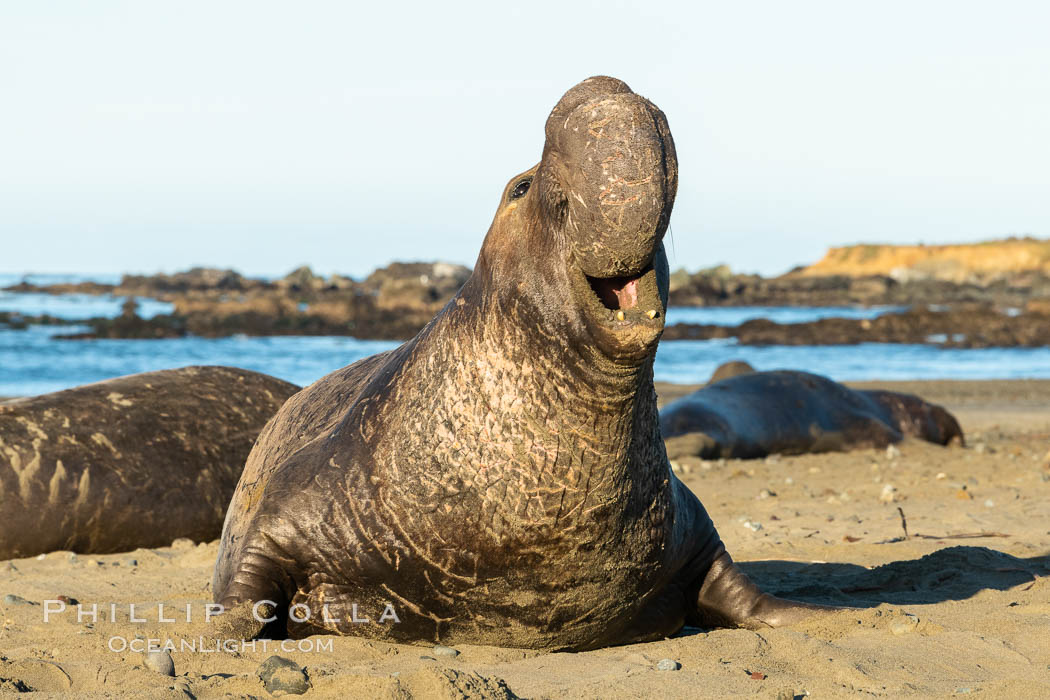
(959, 607)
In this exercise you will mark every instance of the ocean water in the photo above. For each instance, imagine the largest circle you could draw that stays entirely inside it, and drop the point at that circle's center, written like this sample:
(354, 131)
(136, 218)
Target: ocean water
(735, 315)
(74, 307)
(8, 279)
(71, 306)
(82, 306)
(31, 362)
(693, 361)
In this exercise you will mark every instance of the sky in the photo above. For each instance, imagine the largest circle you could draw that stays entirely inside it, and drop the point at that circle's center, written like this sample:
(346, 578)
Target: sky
(155, 136)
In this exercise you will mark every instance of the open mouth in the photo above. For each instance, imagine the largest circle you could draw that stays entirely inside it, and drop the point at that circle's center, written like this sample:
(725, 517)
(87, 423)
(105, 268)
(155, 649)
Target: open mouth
(625, 313)
(616, 292)
(625, 296)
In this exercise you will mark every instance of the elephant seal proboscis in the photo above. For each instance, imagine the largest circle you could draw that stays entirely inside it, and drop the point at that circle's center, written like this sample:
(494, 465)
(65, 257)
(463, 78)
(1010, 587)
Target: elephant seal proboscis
(500, 478)
(754, 414)
(136, 461)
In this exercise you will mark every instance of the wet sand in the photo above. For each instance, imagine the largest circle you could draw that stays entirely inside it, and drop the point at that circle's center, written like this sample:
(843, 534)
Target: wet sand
(961, 605)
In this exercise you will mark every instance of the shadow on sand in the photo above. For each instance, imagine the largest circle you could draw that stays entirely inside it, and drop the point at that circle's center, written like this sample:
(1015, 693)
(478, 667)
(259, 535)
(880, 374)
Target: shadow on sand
(954, 573)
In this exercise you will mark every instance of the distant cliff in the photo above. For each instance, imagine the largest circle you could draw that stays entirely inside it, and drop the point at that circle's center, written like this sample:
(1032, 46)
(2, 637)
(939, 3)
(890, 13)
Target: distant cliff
(975, 263)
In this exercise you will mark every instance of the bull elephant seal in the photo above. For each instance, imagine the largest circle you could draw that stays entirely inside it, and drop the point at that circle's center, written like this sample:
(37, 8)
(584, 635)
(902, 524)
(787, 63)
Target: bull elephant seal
(760, 413)
(500, 478)
(131, 462)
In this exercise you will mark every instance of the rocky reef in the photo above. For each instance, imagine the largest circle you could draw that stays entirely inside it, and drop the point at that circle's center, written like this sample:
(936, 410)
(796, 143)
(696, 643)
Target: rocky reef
(980, 295)
(392, 303)
(719, 286)
(967, 326)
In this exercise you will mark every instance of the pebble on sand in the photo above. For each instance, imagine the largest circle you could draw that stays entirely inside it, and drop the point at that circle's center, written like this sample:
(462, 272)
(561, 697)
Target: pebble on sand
(442, 650)
(281, 676)
(161, 662)
(905, 625)
(668, 665)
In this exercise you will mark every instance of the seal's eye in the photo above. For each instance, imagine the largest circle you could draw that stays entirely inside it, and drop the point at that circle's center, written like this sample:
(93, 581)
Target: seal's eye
(520, 189)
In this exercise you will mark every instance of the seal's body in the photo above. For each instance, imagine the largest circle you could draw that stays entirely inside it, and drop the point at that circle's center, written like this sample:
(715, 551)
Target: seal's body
(500, 479)
(136, 461)
(788, 412)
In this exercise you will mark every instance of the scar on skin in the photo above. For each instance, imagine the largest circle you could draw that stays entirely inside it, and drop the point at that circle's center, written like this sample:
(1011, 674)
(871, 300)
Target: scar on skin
(118, 399)
(104, 441)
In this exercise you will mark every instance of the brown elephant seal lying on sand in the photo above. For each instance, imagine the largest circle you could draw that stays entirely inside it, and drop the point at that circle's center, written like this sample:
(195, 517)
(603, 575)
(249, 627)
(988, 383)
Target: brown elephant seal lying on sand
(744, 414)
(131, 462)
(500, 478)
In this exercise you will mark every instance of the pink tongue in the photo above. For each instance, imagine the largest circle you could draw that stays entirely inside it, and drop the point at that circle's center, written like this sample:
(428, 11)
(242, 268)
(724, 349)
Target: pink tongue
(628, 295)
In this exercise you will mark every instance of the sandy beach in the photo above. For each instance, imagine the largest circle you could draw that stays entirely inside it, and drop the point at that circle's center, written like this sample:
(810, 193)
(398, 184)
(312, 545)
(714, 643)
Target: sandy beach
(958, 603)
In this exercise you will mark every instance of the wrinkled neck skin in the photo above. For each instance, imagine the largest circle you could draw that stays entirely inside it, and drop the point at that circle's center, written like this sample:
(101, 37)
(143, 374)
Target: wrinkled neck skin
(524, 283)
(523, 413)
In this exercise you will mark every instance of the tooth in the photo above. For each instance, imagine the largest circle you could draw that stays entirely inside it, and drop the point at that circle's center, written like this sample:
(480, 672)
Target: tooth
(651, 313)
(619, 316)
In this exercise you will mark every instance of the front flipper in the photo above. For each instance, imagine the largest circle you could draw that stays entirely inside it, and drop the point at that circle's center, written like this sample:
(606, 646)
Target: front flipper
(244, 620)
(255, 598)
(728, 598)
(717, 592)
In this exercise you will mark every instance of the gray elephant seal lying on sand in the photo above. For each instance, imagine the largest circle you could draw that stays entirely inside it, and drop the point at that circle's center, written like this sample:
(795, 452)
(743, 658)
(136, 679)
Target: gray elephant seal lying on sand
(500, 478)
(745, 414)
(131, 462)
